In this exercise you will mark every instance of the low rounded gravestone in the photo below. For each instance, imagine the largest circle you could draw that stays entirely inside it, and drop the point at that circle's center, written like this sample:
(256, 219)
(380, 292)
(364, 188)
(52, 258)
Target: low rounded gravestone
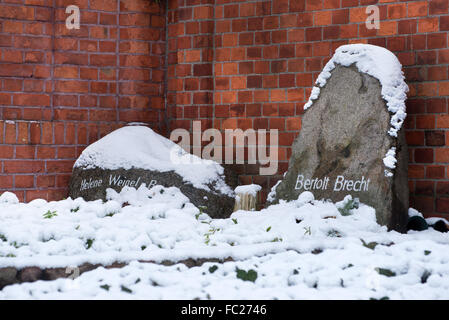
(351, 141)
(134, 155)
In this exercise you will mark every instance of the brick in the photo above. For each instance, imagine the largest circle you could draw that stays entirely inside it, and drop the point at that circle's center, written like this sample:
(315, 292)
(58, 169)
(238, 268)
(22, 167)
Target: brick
(278, 36)
(407, 26)
(14, 70)
(435, 138)
(322, 18)
(424, 155)
(417, 9)
(437, 73)
(23, 181)
(230, 68)
(331, 4)
(231, 11)
(357, 15)
(6, 182)
(59, 166)
(435, 106)
(296, 94)
(247, 9)
(435, 172)
(442, 188)
(428, 25)
(312, 5)
(27, 42)
(294, 123)
(441, 155)
(288, 21)
(296, 35)
(426, 57)
(305, 19)
(72, 86)
(425, 188)
(280, 6)
(6, 152)
(332, 32)
(12, 27)
(45, 181)
(262, 67)
(397, 11)
(436, 40)
(349, 31)
(442, 205)
(286, 80)
(443, 56)
(296, 6)
(438, 7)
(340, 16)
(444, 88)
(245, 96)
(103, 5)
(415, 138)
(416, 171)
(314, 34)
(23, 166)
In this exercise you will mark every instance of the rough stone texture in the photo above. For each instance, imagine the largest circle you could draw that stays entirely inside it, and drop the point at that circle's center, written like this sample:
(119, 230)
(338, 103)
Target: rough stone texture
(344, 133)
(11, 275)
(7, 276)
(30, 274)
(217, 204)
(55, 273)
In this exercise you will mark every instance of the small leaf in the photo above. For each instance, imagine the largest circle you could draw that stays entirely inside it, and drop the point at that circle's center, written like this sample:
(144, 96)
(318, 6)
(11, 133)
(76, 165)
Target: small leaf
(250, 275)
(89, 243)
(385, 272)
(125, 289)
(370, 245)
(105, 287)
(213, 269)
(269, 228)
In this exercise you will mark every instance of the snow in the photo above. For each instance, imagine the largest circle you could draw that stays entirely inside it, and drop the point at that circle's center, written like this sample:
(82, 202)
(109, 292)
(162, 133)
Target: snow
(390, 158)
(251, 189)
(272, 194)
(390, 161)
(413, 212)
(140, 147)
(383, 65)
(9, 197)
(302, 249)
(379, 63)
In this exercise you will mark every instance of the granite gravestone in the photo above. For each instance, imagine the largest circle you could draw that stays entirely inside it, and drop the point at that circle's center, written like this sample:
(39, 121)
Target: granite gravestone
(128, 158)
(344, 147)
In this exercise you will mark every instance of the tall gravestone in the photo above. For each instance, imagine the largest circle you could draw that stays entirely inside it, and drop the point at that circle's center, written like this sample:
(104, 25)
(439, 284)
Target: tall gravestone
(351, 140)
(136, 155)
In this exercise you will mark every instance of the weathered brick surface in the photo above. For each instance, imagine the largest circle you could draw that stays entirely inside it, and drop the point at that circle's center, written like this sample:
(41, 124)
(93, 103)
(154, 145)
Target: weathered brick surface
(266, 54)
(62, 89)
(231, 64)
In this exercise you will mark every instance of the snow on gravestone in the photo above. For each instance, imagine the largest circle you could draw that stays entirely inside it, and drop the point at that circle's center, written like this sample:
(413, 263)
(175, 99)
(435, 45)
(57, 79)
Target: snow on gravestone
(351, 141)
(134, 155)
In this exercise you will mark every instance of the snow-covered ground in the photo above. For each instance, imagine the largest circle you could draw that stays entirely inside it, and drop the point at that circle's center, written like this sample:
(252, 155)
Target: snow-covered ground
(303, 249)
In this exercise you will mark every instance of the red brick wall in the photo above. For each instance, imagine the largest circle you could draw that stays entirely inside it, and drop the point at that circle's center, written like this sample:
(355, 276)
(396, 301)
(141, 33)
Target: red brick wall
(265, 55)
(62, 89)
(230, 64)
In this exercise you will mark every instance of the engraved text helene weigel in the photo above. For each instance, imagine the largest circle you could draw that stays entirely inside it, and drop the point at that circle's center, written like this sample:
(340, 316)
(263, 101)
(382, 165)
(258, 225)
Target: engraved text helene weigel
(114, 180)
